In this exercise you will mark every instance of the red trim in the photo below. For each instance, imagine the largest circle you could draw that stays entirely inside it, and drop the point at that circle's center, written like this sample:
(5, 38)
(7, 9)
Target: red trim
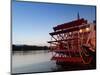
(67, 59)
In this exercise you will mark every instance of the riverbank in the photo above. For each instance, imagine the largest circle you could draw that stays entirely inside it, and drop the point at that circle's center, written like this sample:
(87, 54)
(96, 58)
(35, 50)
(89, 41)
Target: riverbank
(28, 47)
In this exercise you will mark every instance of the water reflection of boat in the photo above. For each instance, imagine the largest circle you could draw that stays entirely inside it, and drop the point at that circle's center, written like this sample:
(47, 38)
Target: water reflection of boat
(73, 42)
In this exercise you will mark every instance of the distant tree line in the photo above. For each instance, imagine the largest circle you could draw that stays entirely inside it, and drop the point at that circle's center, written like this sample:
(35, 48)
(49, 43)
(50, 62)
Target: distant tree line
(28, 47)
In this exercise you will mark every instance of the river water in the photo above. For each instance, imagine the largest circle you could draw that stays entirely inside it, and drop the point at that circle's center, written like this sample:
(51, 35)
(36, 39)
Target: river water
(39, 61)
(32, 61)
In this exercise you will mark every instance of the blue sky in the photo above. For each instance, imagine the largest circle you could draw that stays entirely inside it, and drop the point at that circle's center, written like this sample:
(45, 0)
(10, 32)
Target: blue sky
(32, 22)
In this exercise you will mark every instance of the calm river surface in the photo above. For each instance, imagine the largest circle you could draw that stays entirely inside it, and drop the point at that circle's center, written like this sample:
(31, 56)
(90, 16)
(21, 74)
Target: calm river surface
(32, 61)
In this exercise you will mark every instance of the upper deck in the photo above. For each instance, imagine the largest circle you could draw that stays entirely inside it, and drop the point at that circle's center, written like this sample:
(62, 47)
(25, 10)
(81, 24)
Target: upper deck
(70, 24)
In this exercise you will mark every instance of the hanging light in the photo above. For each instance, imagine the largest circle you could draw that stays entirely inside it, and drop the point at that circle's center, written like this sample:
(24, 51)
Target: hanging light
(80, 30)
(87, 29)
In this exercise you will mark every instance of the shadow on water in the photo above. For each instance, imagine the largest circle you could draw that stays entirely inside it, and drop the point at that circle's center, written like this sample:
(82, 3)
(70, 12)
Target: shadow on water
(73, 67)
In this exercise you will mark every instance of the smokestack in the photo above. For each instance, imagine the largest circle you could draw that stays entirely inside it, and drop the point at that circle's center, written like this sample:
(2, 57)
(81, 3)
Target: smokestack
(78, 16)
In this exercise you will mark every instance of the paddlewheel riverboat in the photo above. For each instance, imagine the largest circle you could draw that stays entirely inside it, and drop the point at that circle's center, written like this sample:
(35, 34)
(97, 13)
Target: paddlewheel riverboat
(73, 42)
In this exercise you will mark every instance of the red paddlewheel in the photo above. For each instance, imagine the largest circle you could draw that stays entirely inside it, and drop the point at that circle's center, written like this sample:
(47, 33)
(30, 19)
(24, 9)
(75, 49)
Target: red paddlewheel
(68, 59)
(66, 40)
